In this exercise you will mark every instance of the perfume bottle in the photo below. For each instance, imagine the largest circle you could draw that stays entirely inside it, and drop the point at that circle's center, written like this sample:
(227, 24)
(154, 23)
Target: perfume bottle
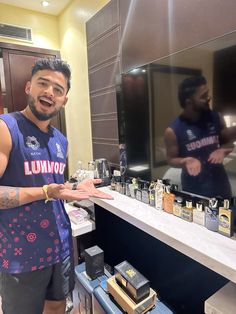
(233, 208)
(139, 192)
(133, 187)
(226, 220)
(168, 199)
(122, 187)
(113, 183)
(159, 190)
(187, 211)
(199, 213)
(211, 215)
(152, 194)
(178, 206)
(145, 193)
(118, 184)
(127, 190)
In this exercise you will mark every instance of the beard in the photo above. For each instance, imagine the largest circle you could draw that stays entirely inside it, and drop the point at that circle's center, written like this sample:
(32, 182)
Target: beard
(40, 115)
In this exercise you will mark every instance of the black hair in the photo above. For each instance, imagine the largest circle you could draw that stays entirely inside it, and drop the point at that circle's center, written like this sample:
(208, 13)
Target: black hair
(188, 87)
(53, 64)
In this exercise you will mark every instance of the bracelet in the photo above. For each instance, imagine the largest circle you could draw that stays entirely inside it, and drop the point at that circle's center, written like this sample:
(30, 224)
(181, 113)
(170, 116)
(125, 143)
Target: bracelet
(45, 190)
(74, 186)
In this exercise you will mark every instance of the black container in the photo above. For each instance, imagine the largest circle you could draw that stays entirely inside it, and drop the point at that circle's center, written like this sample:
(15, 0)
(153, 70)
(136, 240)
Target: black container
(132, 282)
(94, 262)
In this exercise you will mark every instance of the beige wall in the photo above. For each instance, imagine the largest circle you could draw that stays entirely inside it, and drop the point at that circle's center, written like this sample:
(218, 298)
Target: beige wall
(74, 50)
(67, 34)
(44, 27)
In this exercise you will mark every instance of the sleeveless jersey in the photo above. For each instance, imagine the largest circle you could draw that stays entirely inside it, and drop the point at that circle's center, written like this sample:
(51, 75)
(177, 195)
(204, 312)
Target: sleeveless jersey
(199, 140)
(34, 235)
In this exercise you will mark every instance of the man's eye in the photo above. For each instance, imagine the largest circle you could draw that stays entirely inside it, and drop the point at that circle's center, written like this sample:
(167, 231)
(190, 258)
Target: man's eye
(58, 91)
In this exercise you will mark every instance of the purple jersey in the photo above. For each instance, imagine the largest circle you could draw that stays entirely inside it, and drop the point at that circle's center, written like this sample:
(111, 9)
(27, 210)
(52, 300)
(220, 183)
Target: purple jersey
(199, 140)
(35, 235)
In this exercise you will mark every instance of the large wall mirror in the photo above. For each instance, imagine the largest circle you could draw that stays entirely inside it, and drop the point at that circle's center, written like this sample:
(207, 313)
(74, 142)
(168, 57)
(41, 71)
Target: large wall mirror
(148, 102)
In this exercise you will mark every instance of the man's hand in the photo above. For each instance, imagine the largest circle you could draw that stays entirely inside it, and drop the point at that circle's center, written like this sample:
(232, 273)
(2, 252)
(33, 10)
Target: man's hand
(87, 185)
(217, 156)
(193, 166)
(85, 189)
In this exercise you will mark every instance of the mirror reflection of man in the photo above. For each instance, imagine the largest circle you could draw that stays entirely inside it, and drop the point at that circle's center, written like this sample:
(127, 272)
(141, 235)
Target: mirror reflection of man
(194, 143)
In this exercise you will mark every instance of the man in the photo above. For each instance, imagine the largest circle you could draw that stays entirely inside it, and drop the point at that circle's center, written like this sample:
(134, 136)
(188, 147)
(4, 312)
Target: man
(36, 262)
(194, 143)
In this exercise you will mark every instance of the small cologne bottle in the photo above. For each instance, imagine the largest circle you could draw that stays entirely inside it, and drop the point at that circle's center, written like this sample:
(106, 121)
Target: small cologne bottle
(159, 190)
(133, 187)
(199, 213)
(152, 194)
(113, 183)
(233, 208)
(122, 187)
(168, 199)
(187, 211)
(139, 192)
(127, 190)
(118, 183)
(211, 215)
(226, 220)
(178, 206)
(145, 193)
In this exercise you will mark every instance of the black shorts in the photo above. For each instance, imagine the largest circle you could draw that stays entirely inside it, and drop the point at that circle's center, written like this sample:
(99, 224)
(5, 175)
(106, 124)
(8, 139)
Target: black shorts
(25, 293)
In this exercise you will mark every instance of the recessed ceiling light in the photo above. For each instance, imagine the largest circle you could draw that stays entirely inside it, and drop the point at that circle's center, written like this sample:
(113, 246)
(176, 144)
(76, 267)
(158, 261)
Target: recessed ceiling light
(45, 3)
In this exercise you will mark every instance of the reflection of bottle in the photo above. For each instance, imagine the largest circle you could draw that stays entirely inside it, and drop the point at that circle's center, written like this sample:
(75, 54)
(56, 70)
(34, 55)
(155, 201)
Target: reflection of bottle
(133, 187)
(139, 192)
(152, 194)
(226, 220)
(211, 215)
(113, 183)
(199, 214)
(127, 190)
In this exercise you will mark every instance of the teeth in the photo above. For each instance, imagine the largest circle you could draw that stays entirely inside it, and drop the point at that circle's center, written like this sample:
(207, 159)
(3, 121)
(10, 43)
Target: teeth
(46, 100)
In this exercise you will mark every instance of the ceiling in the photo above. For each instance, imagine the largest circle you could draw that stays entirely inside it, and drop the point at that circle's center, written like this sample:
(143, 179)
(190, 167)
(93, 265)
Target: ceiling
(55, 7)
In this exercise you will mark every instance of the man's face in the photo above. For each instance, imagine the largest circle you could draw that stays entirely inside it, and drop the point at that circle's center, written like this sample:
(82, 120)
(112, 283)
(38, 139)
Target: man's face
(46, 94)
(201, 98)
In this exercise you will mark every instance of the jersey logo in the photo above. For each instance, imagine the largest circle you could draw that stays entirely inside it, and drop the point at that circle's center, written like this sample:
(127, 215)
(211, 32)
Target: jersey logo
(59, 151)
(190, 135)
(32, 142)
(211, 128)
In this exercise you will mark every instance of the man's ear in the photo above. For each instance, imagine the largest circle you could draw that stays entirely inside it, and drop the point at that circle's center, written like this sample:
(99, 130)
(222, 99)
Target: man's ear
(65, 101)
(27, 88)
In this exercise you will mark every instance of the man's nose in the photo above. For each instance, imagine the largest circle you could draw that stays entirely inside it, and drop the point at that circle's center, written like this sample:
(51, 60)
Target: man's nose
(49, 90)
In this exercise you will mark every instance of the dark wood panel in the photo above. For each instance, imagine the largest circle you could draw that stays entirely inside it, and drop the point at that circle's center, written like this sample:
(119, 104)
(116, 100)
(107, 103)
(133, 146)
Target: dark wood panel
(171, 26)
(103, 21)
(106, 150)
(103, 103)
(104, 77)
(104, 48)
(105, 129)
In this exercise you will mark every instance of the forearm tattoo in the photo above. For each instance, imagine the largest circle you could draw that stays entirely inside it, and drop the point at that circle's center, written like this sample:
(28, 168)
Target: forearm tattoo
(9, 197)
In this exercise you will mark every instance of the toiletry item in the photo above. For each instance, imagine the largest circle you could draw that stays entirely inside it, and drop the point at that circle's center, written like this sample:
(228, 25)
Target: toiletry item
(133, 187)
(199, 213)
(178, 206)
(127, 190)
(152, 194)
(159, 190)
(187, 211)
(233, 208)
(226, 220)
(113, 183)
(118, 184)
(145, 193)
(122, 187)
(139, 192)
(211, 215)
(168, 199)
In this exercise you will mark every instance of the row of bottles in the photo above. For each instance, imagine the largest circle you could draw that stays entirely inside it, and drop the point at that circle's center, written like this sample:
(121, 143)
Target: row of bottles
(215, 214)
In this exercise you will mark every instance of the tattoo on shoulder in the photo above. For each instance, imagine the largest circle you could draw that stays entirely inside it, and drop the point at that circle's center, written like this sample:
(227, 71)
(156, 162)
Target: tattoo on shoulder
(9, 197)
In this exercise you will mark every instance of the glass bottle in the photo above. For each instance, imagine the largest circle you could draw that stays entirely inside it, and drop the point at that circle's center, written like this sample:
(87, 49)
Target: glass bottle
(199, 213)
(187, 211)
(211, 215)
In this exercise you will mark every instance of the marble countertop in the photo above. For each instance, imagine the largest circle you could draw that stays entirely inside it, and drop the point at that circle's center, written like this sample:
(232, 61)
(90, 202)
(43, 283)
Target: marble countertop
(211, 249)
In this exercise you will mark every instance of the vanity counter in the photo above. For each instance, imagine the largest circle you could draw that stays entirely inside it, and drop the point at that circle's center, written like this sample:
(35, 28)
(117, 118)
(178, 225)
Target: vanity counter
(211, 249)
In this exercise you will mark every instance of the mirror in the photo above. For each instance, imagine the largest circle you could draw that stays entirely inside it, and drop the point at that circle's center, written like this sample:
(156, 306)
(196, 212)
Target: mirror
(147, 100)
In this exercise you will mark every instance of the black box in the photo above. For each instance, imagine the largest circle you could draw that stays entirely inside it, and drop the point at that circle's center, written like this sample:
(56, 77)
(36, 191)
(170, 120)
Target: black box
(94, 262)
(133, 283)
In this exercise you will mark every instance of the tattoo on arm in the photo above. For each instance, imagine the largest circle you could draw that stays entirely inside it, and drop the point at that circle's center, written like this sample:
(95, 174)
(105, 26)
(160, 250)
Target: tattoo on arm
(9, 197)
